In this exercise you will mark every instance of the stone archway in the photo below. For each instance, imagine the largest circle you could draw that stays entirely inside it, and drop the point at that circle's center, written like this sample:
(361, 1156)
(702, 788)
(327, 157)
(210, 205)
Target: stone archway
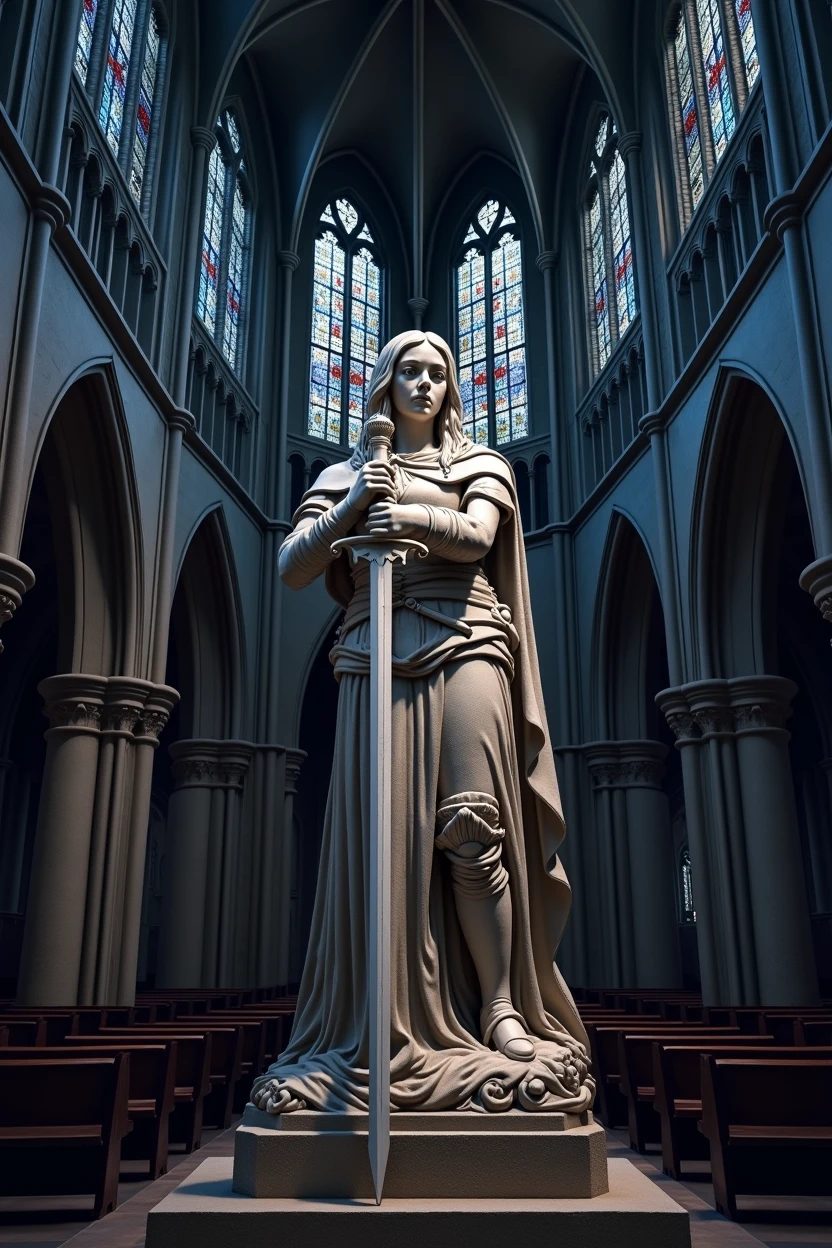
(750, 522)
(83, 910)
(632, 771)
(199, 779)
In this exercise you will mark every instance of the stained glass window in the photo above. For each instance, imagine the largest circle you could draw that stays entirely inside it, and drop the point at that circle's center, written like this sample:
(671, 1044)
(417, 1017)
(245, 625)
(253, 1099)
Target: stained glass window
(234, 292)
(610, 279)
(622, 254)
(83, 47)
(144, 114)
(748, 40)
(206, 304)
(346, 324)
(720, 104)
(599, 275)
(491, 333)
(111, 113)
(690, 121)
(225, 241)
(686, 882)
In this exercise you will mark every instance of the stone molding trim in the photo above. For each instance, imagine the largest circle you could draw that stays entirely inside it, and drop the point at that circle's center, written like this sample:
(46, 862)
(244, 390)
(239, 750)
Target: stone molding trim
(16, 579)
(294, 761)
(113, 705)
(708, 709)
(210, 764)
(626, 764)
(817, 581)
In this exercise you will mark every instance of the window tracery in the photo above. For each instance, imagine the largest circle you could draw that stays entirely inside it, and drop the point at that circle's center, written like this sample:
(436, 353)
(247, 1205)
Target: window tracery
(608, 251)
(346, 323)
(120, 68)
(491, 334)
(226, 231)
(711, 66)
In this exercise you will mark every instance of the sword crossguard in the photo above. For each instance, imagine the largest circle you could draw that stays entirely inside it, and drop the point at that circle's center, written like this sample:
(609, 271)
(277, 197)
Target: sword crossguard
(379, 550)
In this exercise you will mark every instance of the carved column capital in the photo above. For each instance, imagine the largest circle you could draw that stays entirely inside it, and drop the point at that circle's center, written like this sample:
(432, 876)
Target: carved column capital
(212, 764)
(652, 423)
(547, 260)
(73, 701)
(180, 420)
(630, 143)
(784, 212)
(288, 260)
(51, 205)
(627, 764)
(233, 761)
(294, 759)
(202, 136)
(761, 702)
(16, 579)
(817, 581)
(418, 306)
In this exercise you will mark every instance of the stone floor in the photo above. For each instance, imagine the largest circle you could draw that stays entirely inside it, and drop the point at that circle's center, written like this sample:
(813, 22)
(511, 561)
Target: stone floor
(47, 1224)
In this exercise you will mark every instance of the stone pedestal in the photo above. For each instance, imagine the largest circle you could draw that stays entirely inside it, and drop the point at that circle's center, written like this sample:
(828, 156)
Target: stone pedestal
(206, 1212)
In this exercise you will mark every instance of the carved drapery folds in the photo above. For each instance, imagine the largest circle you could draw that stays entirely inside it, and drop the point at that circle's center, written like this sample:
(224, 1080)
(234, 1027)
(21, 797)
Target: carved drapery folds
(203, 861)
(83, 913)
(635, 860)
(752, 913)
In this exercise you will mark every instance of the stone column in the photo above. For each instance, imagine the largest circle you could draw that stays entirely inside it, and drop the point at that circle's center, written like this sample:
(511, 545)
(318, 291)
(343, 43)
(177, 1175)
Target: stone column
(653, 425)
(54, 930)
(752, 913)
(283, 893)
(233, 760)
(637, 862)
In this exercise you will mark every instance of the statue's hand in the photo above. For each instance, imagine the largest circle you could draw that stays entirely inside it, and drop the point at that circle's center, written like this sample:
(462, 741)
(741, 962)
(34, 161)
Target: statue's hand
(373, 479)
(397, 520)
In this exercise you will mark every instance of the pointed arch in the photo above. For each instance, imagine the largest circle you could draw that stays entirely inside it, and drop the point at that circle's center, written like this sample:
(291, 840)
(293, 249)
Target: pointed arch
(741, 479)
(85, 453)
(207, 632)
(630, 658)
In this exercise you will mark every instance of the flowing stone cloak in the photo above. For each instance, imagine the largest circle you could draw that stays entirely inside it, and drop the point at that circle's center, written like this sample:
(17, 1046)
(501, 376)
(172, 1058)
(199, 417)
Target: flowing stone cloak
(438, 1060)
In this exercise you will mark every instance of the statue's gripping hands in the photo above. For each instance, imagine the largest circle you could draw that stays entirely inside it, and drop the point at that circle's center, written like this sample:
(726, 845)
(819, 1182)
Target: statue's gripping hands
(480, 1017)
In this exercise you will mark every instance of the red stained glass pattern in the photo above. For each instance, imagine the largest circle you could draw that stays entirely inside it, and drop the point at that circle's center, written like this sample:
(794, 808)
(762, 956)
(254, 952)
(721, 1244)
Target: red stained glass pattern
(365, 304)
(234, 285)
(141, 139)
(720, 104)
(599, 281)
(511, 411)
(748, 40)
(625, 291)
(206, 303)
(111, 113)
(84, 45)
(690, 118)
(472, 345)
(326, 370)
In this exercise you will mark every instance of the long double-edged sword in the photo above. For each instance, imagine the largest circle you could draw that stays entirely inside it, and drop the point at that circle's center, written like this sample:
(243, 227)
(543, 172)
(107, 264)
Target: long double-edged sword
(381, 553)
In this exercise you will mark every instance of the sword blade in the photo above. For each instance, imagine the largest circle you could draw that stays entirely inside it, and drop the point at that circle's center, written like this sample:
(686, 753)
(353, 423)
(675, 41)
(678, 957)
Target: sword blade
(381, 716)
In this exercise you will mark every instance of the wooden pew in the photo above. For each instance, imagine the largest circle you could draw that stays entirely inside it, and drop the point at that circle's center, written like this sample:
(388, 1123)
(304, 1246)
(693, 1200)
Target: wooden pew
(152, 1083)
(58, 1022)
(193, 1077)
(28, 1031)
(769, 1126)
(809, 1031)
(226, 1070)
(677, 1074)
(635, 1064)
(611, 1104)
(61, 1126)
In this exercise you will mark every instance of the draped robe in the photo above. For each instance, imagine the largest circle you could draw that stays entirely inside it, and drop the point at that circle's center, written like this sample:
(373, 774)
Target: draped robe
(438, 1060)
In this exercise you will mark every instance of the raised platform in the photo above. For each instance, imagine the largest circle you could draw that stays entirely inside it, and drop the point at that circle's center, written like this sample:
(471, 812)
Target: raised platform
(206, 1212)
(514, 1155)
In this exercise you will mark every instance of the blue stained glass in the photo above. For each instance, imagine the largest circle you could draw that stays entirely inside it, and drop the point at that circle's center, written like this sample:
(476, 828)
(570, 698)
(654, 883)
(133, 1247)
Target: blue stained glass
(111, 113)
(748, 39)
(599, 281)
(471, 344)
(510, 400)
(690, 120)
(326, 368)
(144, 115)
(364, 343)
(234, 290)
(720, 104)
(206, 303)
(84, 44)
(625, 294)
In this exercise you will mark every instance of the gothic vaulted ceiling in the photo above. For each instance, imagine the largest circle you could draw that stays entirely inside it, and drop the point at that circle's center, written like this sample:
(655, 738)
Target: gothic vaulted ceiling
(417, 88)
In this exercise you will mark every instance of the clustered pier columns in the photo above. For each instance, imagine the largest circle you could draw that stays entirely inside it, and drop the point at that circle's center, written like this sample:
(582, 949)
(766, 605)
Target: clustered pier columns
(201, 878)
(81, 935)
(753, 926)
(636, 902)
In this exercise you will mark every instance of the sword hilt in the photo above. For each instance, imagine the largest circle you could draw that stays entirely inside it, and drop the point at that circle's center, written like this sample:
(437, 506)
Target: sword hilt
(380, 430)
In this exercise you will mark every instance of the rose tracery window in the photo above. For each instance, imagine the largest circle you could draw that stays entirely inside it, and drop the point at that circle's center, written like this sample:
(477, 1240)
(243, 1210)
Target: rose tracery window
(119, 58)
(346, 323)
(491, 333)
(711, 65)
(226, 241)
(608, 252)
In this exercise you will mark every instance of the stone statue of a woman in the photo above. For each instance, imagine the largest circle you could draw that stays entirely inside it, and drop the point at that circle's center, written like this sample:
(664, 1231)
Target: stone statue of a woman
(481, 1018)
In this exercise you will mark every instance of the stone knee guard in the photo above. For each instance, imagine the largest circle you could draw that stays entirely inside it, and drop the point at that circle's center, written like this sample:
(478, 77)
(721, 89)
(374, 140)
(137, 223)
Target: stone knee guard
(472, 840)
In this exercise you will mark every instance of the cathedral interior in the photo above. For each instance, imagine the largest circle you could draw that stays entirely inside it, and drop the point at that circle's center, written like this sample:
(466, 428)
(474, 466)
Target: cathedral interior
(215, 213)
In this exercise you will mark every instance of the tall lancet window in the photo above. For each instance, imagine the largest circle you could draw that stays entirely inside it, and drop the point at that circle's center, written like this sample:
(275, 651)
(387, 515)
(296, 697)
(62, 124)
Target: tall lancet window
(686, 887)
(491, 331)
(608, 251)
(711, 65)
(226, 241)
(346, 323)
(120, 65)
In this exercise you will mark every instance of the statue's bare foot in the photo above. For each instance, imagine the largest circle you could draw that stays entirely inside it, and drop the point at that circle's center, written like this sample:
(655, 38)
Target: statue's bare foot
(512, 1039)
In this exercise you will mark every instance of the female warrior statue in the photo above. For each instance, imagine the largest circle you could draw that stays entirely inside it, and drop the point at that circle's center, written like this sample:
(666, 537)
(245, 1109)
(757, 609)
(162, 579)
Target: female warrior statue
(481, 1018)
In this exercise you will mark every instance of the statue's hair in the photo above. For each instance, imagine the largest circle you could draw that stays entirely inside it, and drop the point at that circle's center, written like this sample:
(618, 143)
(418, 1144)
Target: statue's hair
(448, 424)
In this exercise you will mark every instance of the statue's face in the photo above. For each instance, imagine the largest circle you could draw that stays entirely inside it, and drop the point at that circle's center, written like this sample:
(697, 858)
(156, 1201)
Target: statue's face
(420, 383)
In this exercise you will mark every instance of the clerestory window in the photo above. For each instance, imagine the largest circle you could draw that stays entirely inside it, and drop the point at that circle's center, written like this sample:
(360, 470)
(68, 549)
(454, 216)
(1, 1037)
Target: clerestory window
(347, 290)
(491, 330)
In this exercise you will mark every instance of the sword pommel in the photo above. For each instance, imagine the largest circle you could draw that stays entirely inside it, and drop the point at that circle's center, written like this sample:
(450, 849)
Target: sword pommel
(380, 430)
